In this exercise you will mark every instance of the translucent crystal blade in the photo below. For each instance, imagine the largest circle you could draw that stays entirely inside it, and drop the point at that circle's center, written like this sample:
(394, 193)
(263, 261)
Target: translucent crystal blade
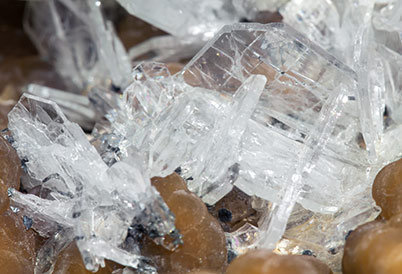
(77, 40)
(307, 112)
(77, 190)
(185, 18)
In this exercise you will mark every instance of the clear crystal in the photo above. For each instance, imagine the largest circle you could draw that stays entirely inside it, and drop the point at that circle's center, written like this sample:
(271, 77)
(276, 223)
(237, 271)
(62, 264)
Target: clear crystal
(305, 125)
(78, 41)
(79, 191)
(188, 18)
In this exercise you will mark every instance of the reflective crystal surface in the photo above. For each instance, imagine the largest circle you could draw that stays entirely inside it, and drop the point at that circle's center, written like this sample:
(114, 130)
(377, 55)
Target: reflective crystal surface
(78, 41)
(303, 133)
(78, 191)
(189, 18)
(298, 116)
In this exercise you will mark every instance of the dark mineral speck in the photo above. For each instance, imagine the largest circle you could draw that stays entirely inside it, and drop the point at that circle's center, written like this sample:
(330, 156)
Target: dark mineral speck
(27, 222)
(224, 215)
(307, 252)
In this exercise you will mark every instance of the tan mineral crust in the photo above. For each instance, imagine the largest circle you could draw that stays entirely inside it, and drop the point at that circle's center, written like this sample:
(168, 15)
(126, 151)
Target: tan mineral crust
(265, 262)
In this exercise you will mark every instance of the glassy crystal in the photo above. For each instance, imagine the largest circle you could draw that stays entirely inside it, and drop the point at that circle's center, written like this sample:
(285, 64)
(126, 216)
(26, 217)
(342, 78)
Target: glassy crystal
(303, 133)
(198, 124)
(78, 41)
(76, 107)
(357, 33)
(243, 239)
(187, 18)
(165, 48)
(78, 191)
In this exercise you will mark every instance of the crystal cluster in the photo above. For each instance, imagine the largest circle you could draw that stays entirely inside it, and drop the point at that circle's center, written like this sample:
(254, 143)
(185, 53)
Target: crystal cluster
(77, 193)
(78, 41)
(299, 116)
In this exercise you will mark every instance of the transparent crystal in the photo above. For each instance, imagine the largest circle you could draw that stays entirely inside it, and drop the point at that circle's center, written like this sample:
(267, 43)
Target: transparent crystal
(243, 239)
(320, 21)
(305, 125)
(187, 18)
(77, 190)
(78, 41)
(365, 35)
(76, 107)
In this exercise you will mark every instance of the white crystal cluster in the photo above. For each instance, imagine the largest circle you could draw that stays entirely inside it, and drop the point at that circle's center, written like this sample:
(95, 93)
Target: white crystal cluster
(78, 41)
(77, 192)
(301, 113)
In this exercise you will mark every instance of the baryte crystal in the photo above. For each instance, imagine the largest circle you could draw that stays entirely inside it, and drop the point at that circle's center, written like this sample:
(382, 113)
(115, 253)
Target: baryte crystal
(306, 122)
(76, 107)
(202, 125)
(243, 239)
(160, 114)
(189, 19)
(357, 33)
(78, 191)
(165, 48)
(78, 41)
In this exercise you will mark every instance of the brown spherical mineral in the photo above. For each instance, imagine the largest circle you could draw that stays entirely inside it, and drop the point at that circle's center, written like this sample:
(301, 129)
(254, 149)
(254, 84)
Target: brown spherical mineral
(10, 172)
(265, 262)
(204, 242)
(169, 184)
(374, 247)
(387, 189)
(70, 261)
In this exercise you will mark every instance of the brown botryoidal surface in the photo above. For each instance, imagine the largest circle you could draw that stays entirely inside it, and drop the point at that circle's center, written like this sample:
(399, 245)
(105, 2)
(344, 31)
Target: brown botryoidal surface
(266, 262)
(374, 248)
(204, 243)
(387, 189)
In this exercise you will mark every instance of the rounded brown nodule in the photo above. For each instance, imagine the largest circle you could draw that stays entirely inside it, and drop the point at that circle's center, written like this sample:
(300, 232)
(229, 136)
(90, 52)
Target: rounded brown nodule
(387, 189)
(204, 242)
(70, 261)
(169, 184)
(265, 262)
(375, 247)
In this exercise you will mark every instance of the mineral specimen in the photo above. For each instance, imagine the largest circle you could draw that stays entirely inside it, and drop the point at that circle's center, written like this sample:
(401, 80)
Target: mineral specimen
(281, 139)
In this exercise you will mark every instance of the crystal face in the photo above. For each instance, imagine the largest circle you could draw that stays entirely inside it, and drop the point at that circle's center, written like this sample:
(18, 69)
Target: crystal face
(78, 191)
(306, 116)
(189, 18)
(78, 41)
(280, 129)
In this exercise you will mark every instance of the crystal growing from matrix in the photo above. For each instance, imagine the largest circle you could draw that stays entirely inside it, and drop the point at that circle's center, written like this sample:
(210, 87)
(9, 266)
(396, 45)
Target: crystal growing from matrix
(78, 191)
